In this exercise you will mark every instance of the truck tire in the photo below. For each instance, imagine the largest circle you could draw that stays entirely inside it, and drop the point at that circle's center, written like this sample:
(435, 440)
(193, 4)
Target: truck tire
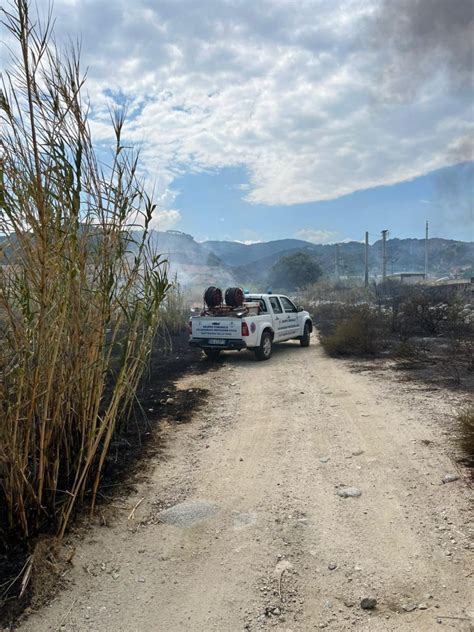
(306, 337)
(212, 354)
(264, 351)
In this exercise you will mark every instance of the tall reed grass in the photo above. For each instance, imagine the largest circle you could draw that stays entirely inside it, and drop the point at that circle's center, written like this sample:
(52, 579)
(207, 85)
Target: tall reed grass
(79, 292)
(175, 310)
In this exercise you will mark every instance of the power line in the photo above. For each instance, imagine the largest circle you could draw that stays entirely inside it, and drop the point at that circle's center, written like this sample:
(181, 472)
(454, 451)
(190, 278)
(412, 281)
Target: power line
(366, 276)
(426, 251)
(384, 254)
(337, 263)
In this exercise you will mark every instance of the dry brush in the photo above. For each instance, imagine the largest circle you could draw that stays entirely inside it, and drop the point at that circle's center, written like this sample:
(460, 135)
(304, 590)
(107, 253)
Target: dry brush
(80, 287)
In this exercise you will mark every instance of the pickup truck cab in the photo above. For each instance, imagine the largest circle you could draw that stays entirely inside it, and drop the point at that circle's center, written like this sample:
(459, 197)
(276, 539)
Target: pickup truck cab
(262, 321)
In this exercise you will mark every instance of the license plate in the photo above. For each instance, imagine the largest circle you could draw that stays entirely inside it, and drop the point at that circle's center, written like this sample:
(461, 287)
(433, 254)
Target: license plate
(216, 341)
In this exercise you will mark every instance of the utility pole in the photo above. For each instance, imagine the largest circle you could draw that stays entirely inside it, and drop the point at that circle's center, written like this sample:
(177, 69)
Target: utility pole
(366, 276)
(384, 254)
(338, 274)
(426, 251)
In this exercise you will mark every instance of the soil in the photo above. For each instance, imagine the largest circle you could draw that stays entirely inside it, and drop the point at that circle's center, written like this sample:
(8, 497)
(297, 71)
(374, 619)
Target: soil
(241, 522)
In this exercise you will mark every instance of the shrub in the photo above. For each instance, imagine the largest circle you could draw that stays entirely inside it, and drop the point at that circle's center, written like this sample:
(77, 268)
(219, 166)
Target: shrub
(328, 315)
(362, 332)
(419, 315)
(410, 354)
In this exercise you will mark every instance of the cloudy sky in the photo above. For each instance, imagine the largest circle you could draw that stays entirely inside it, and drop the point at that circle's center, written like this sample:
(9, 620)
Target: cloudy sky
(262, 119)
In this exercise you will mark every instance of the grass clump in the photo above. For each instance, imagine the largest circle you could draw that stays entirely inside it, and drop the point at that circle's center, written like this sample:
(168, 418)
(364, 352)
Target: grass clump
(360, 332)
(80, 289)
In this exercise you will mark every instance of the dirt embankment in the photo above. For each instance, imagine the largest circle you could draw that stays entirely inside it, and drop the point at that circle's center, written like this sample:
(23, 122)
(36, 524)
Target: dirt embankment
(244, 524)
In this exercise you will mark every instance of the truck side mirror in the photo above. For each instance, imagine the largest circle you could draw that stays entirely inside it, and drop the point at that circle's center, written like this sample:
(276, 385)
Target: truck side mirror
(300, 308)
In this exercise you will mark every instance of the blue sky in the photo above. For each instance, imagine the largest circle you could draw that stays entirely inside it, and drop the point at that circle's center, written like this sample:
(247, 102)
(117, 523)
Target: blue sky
(402, 208)
(316, 119)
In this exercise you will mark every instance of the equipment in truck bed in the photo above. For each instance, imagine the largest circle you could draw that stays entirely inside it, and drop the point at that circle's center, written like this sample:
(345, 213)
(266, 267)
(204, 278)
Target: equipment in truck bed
(235, 305)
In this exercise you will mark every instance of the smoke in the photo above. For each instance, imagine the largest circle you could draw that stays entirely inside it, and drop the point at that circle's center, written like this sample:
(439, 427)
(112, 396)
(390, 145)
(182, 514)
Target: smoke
(461, 150)
(421, 40)
(454, 198)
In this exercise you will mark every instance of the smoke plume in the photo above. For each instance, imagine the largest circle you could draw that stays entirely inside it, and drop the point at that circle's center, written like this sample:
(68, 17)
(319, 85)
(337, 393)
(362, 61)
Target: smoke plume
(421, 40)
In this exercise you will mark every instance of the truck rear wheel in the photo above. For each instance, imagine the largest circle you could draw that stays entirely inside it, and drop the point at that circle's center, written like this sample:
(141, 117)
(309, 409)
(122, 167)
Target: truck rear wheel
(264, 351)
(212, 354)
(306, 337)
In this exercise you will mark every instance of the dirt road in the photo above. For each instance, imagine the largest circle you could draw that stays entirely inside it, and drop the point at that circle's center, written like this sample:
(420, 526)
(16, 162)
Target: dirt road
(242, 527)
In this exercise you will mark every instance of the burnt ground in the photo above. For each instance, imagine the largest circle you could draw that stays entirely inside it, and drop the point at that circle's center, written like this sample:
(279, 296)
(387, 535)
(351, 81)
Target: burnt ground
(137, 439)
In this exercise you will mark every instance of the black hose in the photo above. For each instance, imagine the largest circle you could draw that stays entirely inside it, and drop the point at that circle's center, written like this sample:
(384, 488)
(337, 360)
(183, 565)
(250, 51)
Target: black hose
(234, 297)
(213, 297)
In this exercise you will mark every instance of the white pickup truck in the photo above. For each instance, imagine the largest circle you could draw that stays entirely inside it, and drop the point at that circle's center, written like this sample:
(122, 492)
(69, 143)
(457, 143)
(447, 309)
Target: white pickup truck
(263, 320)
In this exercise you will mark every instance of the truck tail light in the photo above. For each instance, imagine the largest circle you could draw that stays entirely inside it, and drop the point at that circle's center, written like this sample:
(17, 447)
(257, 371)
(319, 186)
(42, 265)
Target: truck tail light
(245, 329)
(190, 327)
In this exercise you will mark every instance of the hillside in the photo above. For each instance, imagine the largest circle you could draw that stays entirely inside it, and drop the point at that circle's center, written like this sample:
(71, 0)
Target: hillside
(445, 256)
(237, 254)
(230, 262)
(193, 264)
(183, 249)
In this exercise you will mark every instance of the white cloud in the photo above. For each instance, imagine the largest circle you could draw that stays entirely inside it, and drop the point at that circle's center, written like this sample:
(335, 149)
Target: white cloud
(164, 220)
(319, 236)
(290, 91)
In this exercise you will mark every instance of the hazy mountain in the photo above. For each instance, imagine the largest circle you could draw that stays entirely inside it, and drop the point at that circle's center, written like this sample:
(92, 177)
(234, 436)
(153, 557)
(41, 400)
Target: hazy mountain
(253, 262)
(229, 263)
(181, 248)
(236, 254)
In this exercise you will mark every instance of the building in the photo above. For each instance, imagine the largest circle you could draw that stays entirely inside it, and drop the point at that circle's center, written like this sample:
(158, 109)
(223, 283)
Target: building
(408, 278)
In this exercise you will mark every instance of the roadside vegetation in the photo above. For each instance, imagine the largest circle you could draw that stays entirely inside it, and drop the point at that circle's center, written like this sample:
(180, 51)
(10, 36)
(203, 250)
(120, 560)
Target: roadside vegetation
(359, 331)
(425, 332)
(411, 324)
(80, 295)
(174, 310)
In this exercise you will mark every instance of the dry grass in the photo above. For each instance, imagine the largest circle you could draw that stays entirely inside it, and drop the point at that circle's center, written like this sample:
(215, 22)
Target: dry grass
(174, 311)
(79, 296)
(357, 331)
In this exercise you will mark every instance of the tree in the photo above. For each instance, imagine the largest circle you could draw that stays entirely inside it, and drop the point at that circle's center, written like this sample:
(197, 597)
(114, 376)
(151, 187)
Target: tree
(295, 270)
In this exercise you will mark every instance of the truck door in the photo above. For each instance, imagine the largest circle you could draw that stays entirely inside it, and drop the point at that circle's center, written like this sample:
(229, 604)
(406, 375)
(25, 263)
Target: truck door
(278, 316)
(290, 318)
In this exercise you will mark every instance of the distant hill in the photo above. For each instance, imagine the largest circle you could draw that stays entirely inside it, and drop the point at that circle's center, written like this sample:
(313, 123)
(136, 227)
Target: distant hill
(253, 262)
(232, 263)
(236, 254)
(183, 249)
(193, 264)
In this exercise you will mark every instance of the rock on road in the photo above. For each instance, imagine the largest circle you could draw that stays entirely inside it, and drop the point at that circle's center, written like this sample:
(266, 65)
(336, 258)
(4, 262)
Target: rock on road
(246, 525)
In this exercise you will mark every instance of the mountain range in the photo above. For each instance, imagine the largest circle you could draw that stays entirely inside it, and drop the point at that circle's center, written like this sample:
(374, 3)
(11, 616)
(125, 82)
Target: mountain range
(232, 262)
(250, 264)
